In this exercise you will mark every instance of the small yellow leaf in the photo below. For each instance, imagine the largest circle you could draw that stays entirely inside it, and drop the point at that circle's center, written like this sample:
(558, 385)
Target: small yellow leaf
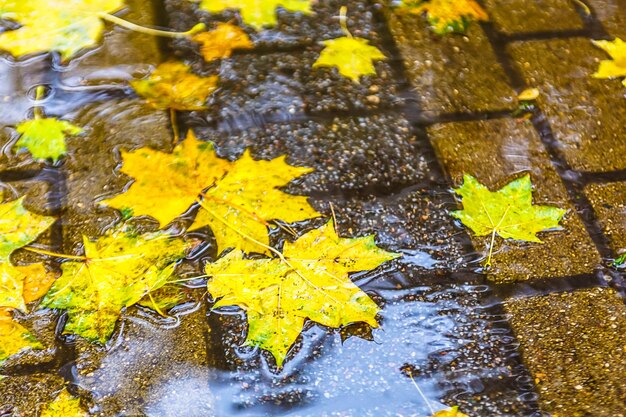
(221, 42)
(447, 16)
(310, 280)
(65, 26)
(13, 337)
(616, 66)
(529, 94)
(45, 138)
(173, 86)
(353, 57)
(65, 405)
(119, 269)
(450, 412)
(257, 13)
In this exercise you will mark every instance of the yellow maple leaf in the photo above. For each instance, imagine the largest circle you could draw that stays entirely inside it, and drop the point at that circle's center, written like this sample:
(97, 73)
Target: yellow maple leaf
(64, 405)
(221, 42)
(117, 271)
(616, 66)
(447, 16)
(257, 13)
(65, 26)
(309, 280)
(172, 85)
(353, 57)
(450, 412)
(240, 197)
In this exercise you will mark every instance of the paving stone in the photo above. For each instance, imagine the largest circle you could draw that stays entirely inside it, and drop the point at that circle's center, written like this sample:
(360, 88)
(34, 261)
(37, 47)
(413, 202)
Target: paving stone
(574, 345)
(351, 154)
(450, 73)
(293, 29)
(496, 152)
(111, 126)
(515, 16)
(122, 54)
(24, 396)
(612, 15)
(152, 367)
(609, 204)
(586, 114)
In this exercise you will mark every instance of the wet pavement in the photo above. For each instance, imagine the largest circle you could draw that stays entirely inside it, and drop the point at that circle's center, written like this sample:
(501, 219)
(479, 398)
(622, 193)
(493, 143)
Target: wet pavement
(540, 333)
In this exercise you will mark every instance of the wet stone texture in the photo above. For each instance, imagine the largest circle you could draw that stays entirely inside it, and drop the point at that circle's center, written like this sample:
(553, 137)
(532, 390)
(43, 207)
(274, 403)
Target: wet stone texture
(586, 114)
(574, 344)
(450, 74)
(609, 205)
(520, 16)
(495, 152)
(24, 396)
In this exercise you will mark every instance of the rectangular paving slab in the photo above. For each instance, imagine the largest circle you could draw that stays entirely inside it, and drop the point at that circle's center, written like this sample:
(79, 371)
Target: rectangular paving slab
(612, 14)
(609, 204)
(521, 16)
(496, 152)
(586, 114)
(574, 344)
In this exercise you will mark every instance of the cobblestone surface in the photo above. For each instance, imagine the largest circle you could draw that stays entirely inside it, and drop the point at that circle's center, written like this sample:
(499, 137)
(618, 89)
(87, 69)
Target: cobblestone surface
(540, 333)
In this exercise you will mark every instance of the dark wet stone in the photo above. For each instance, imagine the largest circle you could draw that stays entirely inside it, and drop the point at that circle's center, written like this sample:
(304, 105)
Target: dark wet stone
(349, 155)
(573, 344)
(612, 15)
(515, 16)
(111, 127)
(586, 114)
(293, 29)
(450, 73)
(152, 366)
(25, 395)
(496, 152)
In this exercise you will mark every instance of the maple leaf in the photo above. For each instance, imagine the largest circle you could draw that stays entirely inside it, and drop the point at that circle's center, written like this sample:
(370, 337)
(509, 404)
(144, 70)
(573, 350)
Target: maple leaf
(309, 280)
(240, 197)
(45, 138)
(447, 16)
(508, 212)
(14, 337)
(221, 42)
(118, 270)
(172, 85)
(616, 66)
(450, 412)
(64, 405)
(257, 13)
(19, 227)
(353, 57)
(65, 26)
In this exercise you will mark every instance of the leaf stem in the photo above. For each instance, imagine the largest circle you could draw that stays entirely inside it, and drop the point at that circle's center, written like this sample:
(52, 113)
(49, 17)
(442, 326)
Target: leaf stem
(150, 31)
(55, 254)
(430, 407)
(39, 95)
(155, 306)
(343, 21)
(174, 123)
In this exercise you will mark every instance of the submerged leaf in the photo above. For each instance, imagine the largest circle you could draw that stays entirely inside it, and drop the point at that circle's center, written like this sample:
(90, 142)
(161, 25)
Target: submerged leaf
(221, 42)
(353, 57)
(508, 212)
(447, 16)
(14, 337)
(308, 281)
(257, 13)
(65, 405)
(450, 412)
(65, 26)
(241, 197)
(119, 269)
(616, 66)
(173, 86)
(45, 138)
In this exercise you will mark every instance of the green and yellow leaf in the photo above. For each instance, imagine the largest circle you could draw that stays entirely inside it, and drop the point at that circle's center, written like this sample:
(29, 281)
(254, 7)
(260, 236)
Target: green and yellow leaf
(508, 212)
(257, 13)
(308, 281)
(240, 197)
(353, 57)
(222, 41)
(447, 16)
(119, 269)
(64, 26)
(172, 85)
(45, 138)
(65, 405)
(14, 338)
(616, 66)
